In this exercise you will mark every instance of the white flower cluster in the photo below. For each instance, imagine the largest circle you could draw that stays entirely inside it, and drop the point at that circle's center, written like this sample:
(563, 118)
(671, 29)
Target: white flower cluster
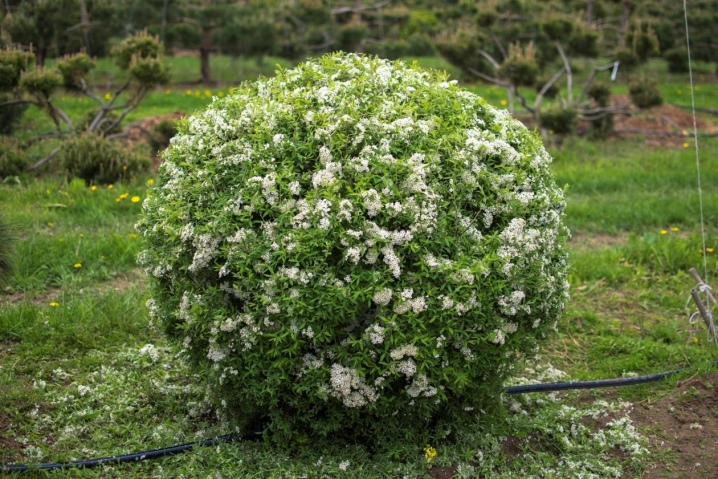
(351, 389)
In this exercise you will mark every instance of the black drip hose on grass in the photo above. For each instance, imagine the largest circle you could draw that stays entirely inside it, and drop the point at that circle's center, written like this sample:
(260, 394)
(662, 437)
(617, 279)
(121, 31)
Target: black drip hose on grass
(180, 448)
(133, 457)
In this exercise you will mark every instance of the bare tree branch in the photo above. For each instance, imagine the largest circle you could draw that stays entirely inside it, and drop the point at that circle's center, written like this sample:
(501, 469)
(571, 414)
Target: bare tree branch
(86, 91)
(132, 104)
(549, 84)
(522, 100)
(491, 59)
(488, 78)
(130, 127)
(498, 44)
(44, 160)
(595, 71)
(107, 107)
(20, 102)
(338, 10)
(569, 73)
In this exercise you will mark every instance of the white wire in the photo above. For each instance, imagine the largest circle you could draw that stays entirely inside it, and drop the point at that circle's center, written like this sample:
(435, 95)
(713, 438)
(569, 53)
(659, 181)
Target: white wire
(695, 142)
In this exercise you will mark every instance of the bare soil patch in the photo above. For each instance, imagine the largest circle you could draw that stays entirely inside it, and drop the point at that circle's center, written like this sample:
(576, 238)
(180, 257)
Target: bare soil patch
(597, 240)
(122, 281)
(661, 126)
(139, 132)
(8, 445)
(685, 426)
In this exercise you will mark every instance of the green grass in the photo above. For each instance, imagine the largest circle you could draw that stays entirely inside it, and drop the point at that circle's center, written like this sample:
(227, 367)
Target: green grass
(77, 379)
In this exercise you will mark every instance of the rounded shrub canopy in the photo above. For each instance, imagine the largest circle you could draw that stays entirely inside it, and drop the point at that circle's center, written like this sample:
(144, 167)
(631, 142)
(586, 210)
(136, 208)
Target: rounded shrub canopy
(354, 245)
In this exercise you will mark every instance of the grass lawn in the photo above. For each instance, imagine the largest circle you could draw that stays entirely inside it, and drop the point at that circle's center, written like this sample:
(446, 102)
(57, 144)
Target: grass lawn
(83, 374)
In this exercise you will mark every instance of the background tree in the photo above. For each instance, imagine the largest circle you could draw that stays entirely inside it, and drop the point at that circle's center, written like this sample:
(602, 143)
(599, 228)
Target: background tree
(57, 27)
(521, 45)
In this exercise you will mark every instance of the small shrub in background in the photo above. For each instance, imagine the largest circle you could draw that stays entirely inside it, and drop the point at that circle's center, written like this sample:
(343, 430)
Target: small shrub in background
(602, 124)
(627, 59)
(561, 121)
(97, 160)
(520, 66)
(74, 69)
(12, 158)
(355, 248)
(108, 125)
(12, 64)
(677, 60)
(644, 92)
(10, 115)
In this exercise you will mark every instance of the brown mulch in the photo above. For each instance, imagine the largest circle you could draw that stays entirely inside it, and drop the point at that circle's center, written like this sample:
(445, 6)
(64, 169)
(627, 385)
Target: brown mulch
(137, 135)
(661, 126)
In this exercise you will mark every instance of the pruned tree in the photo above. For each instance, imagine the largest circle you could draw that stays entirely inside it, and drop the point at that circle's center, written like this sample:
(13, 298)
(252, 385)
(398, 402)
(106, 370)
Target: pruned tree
(140, 56)
(56, 27)
(510, 44)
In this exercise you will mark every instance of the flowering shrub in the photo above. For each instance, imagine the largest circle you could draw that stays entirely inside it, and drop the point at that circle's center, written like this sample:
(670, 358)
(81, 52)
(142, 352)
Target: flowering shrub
(354, 245)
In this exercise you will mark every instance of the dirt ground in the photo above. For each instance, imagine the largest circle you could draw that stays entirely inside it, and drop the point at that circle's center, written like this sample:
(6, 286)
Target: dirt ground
(661, 126)
(684, 426)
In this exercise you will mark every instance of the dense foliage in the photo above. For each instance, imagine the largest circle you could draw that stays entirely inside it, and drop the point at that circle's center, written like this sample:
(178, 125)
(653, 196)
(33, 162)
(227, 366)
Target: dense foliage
(97, 160)
(355, 247)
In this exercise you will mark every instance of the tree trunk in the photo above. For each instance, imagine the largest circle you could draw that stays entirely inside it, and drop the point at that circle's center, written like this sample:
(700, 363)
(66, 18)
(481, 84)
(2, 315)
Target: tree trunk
(356, 18)
(204, 52)
(624, 23)
(589, 12)
(40, 55)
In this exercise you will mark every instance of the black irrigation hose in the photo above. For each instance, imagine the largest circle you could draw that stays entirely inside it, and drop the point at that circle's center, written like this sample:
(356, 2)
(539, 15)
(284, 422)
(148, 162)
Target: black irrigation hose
(180, 448)
(134, 457)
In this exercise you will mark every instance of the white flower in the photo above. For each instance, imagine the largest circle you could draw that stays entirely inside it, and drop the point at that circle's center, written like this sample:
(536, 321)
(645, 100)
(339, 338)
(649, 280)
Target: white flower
(406, 350)
(382, 297)
(376, 334)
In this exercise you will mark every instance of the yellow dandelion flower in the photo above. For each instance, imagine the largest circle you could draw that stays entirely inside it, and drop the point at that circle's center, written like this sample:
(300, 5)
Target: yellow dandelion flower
(709, 250)
(135, 199)
(695, 340)
(150, 182)
(54, 304)
(78, 265)
(664, 232)
(685, 145)
(429, 453)
(123, 196)
(188, 92)
(674, 229)
(110, 186)
(93, 188)
(207, 93)
(108, 95)
(504, 103)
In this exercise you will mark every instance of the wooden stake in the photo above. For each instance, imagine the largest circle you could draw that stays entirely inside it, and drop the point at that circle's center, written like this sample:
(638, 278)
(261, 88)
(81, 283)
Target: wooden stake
(705, 314)
(703, 287)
